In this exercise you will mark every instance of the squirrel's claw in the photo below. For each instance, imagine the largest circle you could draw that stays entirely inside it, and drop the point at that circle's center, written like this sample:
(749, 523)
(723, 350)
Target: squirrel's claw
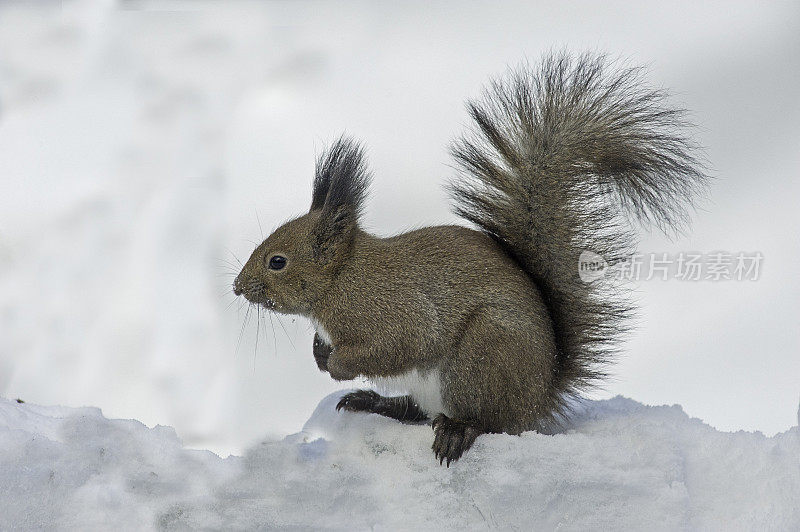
(452, 438)
(359, 401)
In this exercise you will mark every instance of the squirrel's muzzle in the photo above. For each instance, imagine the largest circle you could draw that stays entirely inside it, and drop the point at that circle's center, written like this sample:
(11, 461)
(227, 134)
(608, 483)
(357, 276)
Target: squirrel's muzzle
(252, 290)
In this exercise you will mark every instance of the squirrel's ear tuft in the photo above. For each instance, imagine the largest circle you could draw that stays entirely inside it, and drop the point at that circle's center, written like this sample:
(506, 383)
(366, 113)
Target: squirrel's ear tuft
(341, 177)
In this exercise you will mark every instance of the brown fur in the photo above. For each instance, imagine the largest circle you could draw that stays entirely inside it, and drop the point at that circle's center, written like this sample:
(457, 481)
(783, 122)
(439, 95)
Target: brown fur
(499, 314)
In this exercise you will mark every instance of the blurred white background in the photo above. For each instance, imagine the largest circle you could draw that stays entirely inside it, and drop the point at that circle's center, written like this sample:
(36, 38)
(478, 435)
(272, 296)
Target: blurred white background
(142, 144)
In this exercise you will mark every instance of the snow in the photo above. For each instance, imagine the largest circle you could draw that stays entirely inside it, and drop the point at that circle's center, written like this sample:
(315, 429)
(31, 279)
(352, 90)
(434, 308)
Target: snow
(619, 464)
(143, 144)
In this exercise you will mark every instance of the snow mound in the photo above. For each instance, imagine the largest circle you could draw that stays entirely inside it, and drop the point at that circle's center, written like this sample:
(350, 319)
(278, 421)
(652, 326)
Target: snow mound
(620, 465)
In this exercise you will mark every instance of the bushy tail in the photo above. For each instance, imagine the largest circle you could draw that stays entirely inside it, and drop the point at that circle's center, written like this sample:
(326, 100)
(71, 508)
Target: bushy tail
(559, 155)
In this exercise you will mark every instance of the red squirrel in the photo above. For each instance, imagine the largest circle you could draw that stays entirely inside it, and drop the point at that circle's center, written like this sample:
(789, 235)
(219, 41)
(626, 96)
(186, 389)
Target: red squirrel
(488, 329)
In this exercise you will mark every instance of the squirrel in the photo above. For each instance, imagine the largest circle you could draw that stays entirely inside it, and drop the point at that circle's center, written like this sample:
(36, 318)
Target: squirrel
(489, 329)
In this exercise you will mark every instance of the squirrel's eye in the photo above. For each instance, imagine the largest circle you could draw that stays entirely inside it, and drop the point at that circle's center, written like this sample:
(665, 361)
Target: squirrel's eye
(277, 262)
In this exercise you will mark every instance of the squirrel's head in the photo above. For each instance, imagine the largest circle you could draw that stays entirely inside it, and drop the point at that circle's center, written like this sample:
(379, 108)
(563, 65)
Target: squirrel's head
(298, 263)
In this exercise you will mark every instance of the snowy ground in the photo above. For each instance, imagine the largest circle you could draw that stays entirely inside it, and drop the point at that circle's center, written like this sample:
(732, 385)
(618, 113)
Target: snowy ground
(620, 465)
(142, 143)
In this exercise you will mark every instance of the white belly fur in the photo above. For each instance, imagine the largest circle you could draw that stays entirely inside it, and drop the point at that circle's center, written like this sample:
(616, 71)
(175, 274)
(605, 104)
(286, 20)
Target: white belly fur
(323, 334)
(424, 386)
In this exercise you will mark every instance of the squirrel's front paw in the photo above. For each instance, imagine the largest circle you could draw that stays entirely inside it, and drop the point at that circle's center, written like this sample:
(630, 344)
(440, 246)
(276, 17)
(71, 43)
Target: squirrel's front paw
(322, 352)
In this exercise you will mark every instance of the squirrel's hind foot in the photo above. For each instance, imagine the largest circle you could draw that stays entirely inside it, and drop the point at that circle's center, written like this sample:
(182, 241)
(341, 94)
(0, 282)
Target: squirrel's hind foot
(400, 408)
(453, 438)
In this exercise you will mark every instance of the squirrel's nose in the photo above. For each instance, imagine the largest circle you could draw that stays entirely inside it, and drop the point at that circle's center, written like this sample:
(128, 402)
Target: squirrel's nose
(237, 286)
